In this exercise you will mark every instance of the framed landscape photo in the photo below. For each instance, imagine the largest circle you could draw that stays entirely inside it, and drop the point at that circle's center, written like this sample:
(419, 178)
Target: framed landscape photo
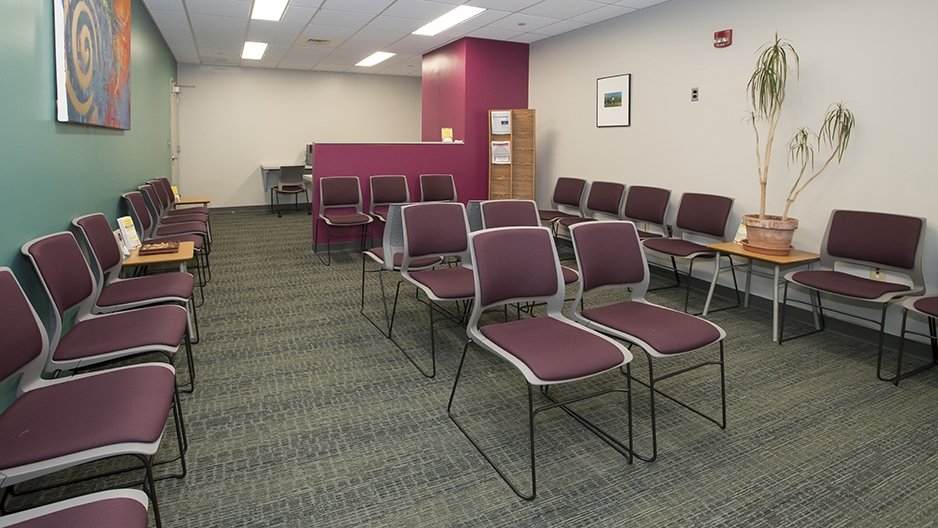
(613, 98)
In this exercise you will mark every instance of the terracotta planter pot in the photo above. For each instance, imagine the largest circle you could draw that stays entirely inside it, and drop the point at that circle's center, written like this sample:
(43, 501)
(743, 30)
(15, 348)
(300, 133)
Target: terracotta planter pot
(770, 235)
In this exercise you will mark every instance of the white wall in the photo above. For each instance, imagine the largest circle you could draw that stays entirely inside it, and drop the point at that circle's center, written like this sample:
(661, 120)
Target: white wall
(236, 119)
(875, 57)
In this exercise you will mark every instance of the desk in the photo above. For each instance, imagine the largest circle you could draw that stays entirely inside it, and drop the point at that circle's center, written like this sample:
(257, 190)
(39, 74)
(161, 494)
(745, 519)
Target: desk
(185, 254)
(795, 258)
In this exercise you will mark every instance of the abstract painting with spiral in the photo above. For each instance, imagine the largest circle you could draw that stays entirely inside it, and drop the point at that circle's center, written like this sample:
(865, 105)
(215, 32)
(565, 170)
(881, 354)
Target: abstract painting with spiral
(92, 52)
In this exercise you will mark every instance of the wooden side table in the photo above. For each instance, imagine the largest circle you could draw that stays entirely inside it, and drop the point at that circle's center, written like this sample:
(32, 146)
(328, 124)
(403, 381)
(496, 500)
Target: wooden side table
(184, 254)
(795, 258)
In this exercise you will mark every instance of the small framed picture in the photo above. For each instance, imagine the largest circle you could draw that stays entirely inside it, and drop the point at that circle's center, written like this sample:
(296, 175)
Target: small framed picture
(613, 97)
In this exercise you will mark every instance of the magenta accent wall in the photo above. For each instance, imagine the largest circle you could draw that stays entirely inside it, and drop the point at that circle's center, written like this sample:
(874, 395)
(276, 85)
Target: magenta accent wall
(461, 83)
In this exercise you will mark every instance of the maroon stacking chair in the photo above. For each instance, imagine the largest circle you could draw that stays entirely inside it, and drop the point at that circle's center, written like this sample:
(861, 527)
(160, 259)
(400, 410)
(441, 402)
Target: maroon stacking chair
(113, 293)
(190, 224)
(340, 205)
(520, 264)
(437, 188)
(518, 213)
(928, 307)
(97, 338)
(648, 208)
(137, 209)
(121, 508)
(566, 201)
(700, 216)
(168, 187)
(604, 201)
(433, 230)
(389, 256)
(609, 255)
(889, 242)
(387, 189)
(167, 214)
(290, 181)
(56, 424)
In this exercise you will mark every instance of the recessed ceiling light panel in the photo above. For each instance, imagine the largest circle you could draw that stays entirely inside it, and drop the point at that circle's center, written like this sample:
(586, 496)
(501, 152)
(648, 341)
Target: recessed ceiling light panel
(375, 58)
(453, 18)
(269, 9)
(254, 50)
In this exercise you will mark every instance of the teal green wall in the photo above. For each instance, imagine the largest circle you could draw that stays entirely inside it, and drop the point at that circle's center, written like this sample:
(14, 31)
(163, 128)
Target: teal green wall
(51, 172)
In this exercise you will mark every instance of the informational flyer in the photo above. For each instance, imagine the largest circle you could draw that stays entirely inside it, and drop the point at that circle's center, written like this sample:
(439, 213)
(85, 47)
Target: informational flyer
(501, 152)
(501, 123)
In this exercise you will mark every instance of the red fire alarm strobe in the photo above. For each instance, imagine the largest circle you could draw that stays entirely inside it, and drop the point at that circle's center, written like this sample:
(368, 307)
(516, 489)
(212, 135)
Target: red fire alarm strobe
(722, 39)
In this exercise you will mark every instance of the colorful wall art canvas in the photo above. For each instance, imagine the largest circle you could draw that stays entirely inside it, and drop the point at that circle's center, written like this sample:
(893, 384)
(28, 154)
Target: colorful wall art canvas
(92, 48)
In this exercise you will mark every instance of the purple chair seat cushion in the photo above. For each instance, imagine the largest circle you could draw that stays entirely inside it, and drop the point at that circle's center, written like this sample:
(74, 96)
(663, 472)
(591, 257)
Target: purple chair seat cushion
(846, 284)
(573, 220)
(381, 213)
(447, 283)
(187, 210)
(157, 326)
(345, 219)
(184, 218)
(927, 305)
(185, 228)
(548, 216)
(115, 512)
(667, 331)
(569, 275)
(676, 247)
(177, 285)
(399, 259)
(128, 405)
(554, 350)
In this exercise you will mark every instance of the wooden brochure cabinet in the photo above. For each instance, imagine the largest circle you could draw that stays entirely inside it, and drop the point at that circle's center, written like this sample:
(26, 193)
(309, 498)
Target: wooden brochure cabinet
(514, 179)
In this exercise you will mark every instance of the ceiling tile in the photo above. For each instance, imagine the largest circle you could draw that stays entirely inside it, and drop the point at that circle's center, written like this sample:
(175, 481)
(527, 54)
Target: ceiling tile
(164, 5)
(364, 48)
(530, 22)
(371, 7)
(505, 5)
(271, 38)
(165, 19)
(485, 18)
(305, 3)
(528, 38)
(560, 27)
(381, 38)
(603, 13)
(209, 23)
(494, 33)
(389, 23)
(329, 32)
(418, 10)
(231, 8)
(639, 4)
(330, 67)
(561, 9)
(341, 19)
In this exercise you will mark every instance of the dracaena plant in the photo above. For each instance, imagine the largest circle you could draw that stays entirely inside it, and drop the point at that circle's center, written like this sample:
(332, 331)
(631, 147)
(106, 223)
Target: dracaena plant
(766, 89)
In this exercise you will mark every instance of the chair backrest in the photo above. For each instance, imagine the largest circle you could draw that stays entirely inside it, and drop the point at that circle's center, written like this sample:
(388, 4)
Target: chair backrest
(161, 193)
(515, 264)
(880, 240)
(392, 241)
(704, 214)
(290, 175)
(435, 229)
(340, 192)
(649, 205)
(104, 254)
(64, 275)
(437, 188)
(569, 192)
(474, 214)
(168, 187)
(153, 202)
(137, 209)
(509, 213)
(606, 198)
(23, 341)
(609, 254)
(388, 189)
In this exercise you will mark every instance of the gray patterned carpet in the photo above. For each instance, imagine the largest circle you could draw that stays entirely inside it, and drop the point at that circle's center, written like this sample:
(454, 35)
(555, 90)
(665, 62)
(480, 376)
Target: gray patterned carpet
(305, 415)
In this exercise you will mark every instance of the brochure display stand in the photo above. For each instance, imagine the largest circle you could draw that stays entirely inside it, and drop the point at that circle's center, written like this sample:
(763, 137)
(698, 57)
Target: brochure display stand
(511, 154)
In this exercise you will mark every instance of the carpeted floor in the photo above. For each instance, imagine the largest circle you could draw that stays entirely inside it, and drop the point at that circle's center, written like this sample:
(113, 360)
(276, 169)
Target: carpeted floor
(305, 415)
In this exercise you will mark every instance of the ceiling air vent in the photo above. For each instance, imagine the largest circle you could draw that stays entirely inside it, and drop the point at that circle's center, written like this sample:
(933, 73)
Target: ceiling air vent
(316, 42)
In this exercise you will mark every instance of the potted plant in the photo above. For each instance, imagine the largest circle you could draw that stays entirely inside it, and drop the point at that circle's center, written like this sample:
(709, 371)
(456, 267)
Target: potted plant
(770, 233)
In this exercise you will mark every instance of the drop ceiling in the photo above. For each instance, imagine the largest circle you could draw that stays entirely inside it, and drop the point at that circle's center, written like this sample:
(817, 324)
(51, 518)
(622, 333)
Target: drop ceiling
(333, 35)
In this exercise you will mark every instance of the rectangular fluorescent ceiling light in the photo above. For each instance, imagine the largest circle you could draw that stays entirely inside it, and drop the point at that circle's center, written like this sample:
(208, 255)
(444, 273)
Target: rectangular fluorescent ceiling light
(269, 9)
(454, 17)
(254, 50)
(375, 58)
